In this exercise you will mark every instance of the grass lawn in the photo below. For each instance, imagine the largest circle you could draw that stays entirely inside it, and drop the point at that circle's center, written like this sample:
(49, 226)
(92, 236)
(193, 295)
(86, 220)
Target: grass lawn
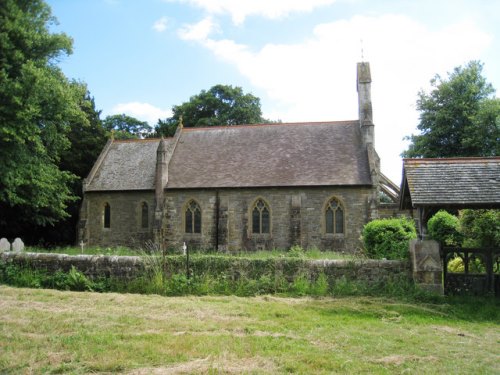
(48, 331)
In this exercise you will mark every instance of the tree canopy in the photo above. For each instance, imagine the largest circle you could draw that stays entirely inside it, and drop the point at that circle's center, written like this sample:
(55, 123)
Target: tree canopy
(126, 127)
(220, 105)
(459, 117)
(38, 105)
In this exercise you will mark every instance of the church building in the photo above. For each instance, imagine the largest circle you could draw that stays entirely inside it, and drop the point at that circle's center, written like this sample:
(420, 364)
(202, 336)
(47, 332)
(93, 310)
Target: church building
(244, 187)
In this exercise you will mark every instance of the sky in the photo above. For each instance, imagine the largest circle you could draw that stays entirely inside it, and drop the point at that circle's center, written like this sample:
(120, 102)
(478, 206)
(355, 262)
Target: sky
(298, 56)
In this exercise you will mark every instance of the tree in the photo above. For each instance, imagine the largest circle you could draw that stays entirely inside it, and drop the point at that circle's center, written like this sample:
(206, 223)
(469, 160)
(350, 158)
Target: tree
(38, 104)
(86, 138)
(220, 105)
(481, 227)
(87, 141)
(126, 127)
(459, 117)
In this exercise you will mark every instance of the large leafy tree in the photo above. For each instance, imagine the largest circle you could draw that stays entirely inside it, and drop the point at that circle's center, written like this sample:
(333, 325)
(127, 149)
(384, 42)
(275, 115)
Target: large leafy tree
(38, 105)
(86, 142)
(220, 105)
(87, 138)
(126, 127)
(459, 117)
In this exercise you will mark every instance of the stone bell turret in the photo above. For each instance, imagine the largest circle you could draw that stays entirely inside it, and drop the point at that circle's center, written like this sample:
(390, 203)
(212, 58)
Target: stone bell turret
(364, 81)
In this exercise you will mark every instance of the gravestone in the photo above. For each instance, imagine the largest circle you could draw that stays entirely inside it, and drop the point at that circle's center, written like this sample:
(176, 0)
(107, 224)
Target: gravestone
(17, 245)
(4, 245)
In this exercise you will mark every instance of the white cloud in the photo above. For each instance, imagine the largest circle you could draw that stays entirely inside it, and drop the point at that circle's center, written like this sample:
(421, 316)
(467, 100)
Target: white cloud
(315, 79)
(198, 31)
(142, 111)
(272, 9)
(160, 25)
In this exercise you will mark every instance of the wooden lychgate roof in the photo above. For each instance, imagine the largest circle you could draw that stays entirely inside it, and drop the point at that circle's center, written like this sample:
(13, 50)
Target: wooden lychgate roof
(451, 182)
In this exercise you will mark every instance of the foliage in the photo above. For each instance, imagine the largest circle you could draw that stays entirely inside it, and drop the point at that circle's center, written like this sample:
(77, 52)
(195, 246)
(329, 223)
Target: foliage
(221, 275)
(481, 227)
(388, 238)
(459, 117)
(456, 265)
(445, 228)
(476, 265)
(220, 105)
(296, 251)
(126, 127)
(38, 106)
(86, 138)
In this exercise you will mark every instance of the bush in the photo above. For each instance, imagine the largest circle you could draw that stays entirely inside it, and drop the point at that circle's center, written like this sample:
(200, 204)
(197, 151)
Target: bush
(481, 227)
(388, 238)
(296, 251)
(445, 228)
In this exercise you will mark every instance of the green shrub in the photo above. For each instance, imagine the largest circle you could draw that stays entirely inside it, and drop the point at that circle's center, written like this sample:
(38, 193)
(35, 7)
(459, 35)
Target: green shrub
(296, 251)
(480, 227)
(300, 286)
(388, 238)
(456, 265)
(445, 228)
(320, 286)
(78, 281)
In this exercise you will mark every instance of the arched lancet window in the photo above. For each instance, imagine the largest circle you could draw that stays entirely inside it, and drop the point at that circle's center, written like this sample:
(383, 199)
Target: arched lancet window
(193, 217)
(107, 215)
(144, 215)
(334, 217)
(261, 217)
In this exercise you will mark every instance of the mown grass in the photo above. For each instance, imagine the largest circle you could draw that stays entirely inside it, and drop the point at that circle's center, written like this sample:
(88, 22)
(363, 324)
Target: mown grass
(48, 331)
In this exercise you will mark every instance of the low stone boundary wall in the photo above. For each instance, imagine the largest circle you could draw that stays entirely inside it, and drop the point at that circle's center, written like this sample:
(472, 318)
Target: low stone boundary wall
(129, 267)
(93, 266)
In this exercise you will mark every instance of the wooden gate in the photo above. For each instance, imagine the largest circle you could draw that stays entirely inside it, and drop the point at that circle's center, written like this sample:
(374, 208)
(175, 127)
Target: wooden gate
(471, 271)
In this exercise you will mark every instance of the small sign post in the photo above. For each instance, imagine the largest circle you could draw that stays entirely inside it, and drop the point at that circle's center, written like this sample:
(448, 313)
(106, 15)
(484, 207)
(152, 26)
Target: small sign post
(185, 251)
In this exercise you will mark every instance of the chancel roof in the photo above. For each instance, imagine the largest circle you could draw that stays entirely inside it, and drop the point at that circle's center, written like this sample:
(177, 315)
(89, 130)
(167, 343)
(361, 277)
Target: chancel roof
(274, 155)
(295, 154)
(457, 182)
(125, 165)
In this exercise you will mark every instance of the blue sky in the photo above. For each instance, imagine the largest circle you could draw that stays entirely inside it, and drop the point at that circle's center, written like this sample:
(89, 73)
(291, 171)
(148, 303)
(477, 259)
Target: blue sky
(298, 56)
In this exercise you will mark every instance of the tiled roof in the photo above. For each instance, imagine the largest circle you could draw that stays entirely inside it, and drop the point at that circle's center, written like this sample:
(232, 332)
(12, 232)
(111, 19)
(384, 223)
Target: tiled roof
(460, 182)
(125, 165)
(295, 154)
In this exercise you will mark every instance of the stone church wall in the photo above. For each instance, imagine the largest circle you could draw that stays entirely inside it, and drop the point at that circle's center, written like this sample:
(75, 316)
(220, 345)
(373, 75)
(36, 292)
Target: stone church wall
(297, 218)
(125, 220)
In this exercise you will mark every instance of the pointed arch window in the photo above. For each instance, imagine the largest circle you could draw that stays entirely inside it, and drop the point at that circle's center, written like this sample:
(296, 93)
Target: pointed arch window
(144, 215)
(261, 217)
(334, 217)
(107, 215)
(193, 217)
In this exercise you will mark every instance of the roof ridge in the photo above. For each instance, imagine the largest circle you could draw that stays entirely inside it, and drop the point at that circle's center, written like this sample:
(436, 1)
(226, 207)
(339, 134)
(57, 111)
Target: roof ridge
(138, 140)
(304, 123)
(463, 158)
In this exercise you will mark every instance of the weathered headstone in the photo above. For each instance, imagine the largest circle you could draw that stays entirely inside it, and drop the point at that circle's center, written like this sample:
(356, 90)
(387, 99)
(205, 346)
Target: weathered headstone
(4, 245)
(17, 245)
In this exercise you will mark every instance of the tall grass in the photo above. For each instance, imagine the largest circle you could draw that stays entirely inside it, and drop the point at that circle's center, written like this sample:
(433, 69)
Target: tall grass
(150, 248)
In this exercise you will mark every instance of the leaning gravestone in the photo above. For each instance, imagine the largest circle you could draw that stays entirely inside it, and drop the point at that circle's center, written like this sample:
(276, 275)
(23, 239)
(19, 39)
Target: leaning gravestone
(4, 245)
(17, 245)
